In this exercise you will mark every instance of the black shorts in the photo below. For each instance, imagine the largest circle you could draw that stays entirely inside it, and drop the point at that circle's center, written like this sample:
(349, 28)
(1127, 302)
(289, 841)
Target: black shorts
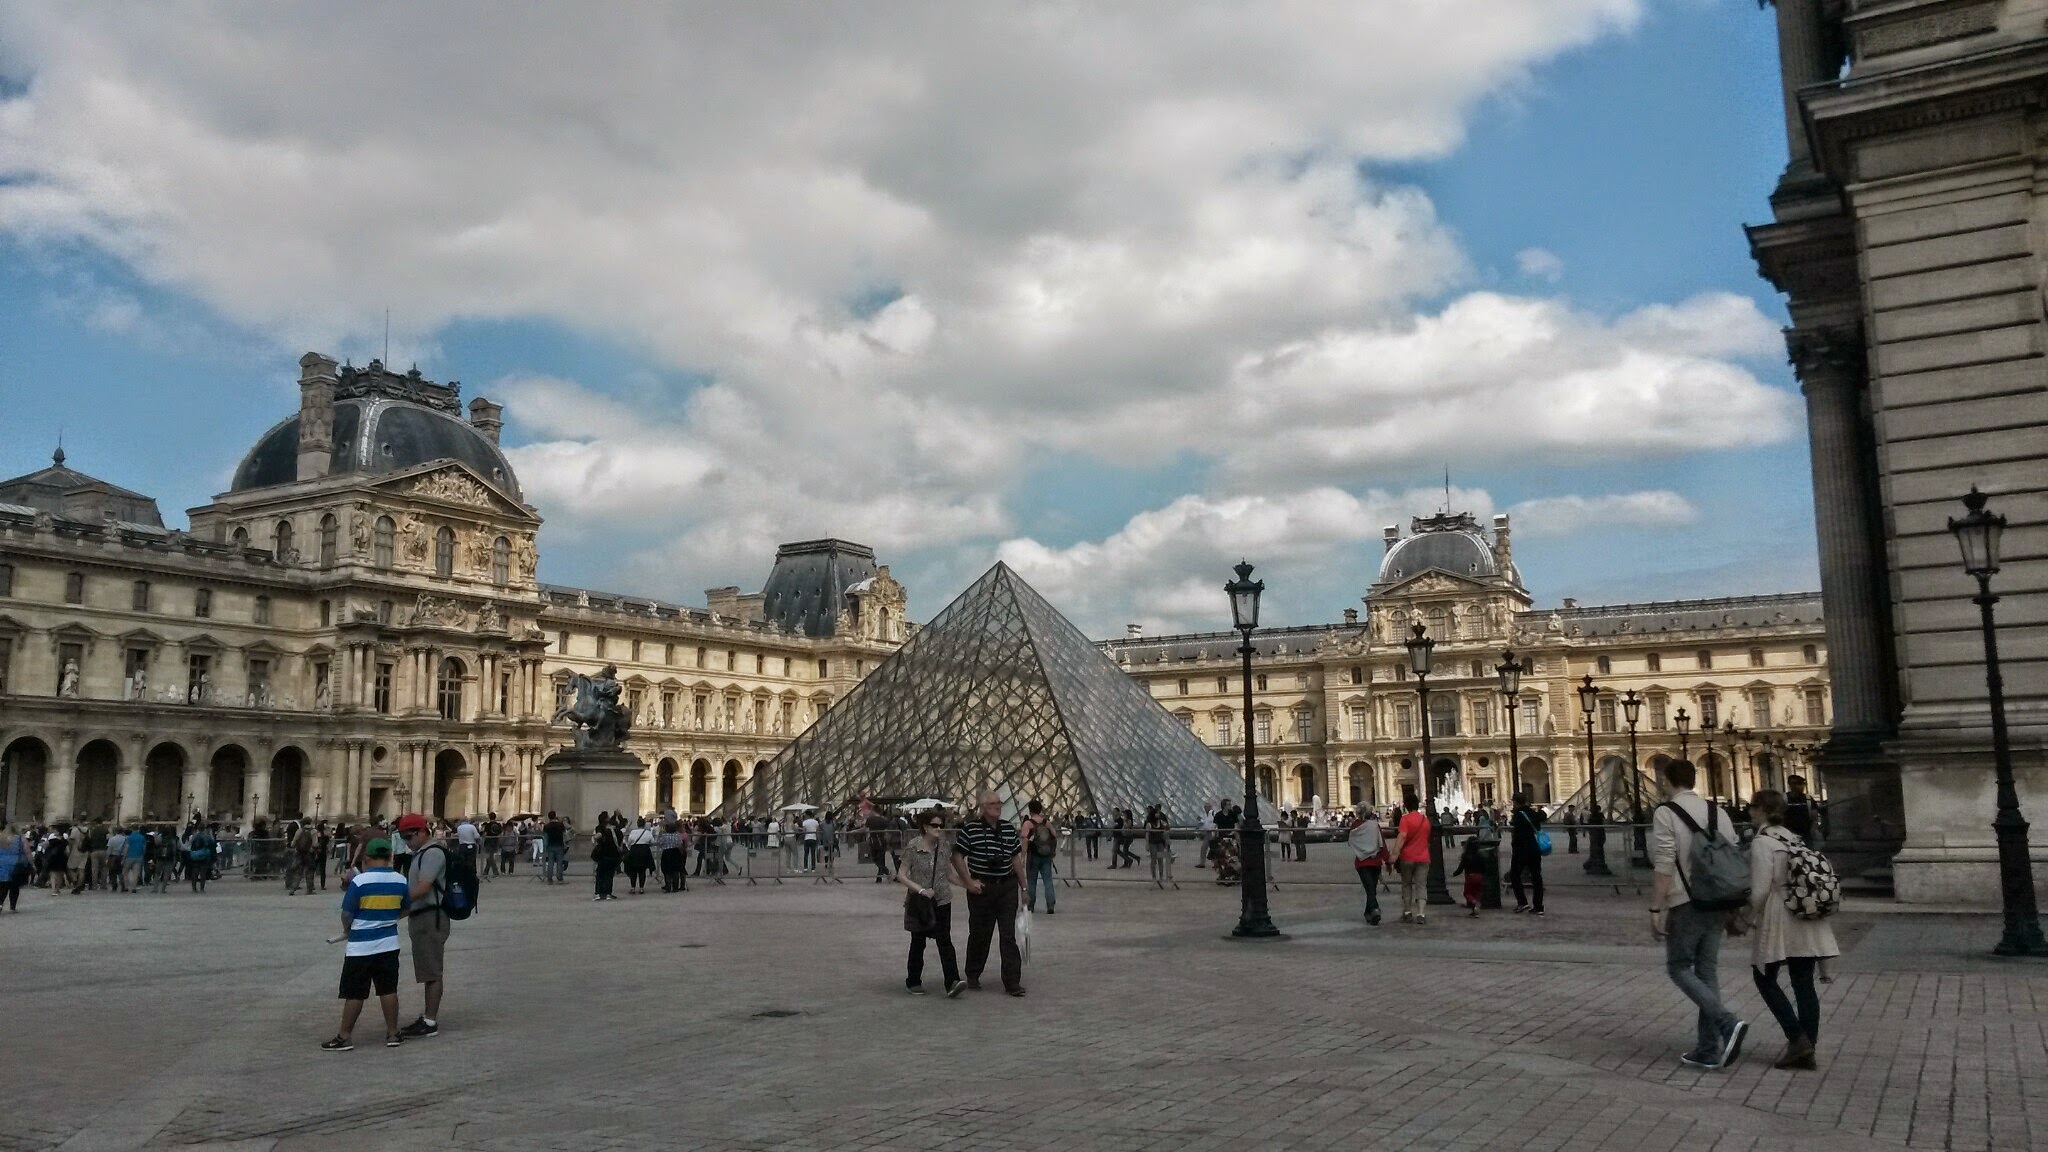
(358, 973)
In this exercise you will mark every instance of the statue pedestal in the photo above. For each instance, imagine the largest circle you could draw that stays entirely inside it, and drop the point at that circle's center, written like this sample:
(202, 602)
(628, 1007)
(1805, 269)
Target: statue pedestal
(579, 784)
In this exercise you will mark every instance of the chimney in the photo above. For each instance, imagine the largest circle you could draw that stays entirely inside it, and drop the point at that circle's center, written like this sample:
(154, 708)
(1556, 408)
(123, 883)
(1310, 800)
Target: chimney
(316, 415)
(1570, 602)
(1503, 551)
(1351, 616)
(1134, 631)
(1392, 534)
(486, 418)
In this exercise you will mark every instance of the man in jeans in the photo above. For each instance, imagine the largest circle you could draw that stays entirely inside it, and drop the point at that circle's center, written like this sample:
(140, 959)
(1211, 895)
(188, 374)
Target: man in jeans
(1692, 938)
(555, 838)
(988, 860)
(1041, 846)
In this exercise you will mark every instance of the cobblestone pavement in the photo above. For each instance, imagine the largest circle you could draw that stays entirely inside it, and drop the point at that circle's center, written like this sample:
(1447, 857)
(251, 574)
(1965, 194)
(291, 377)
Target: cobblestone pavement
(773, 1016)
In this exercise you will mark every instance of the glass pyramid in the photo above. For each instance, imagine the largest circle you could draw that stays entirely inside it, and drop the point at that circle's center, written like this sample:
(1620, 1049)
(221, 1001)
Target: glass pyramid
(1000, 691)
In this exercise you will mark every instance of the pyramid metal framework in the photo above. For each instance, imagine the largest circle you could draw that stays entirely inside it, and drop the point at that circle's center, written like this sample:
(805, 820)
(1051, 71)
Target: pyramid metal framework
(1000, 691)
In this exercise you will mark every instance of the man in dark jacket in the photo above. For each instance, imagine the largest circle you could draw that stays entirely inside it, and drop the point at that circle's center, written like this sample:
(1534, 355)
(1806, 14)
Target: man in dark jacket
(1523, 825)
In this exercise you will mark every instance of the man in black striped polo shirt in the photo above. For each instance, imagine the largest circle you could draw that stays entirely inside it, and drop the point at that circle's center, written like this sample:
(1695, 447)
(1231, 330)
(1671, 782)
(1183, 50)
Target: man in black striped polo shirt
(992, 854)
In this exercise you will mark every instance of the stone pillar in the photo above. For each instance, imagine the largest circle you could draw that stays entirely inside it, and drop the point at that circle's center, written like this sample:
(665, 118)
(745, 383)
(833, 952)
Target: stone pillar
(130, 781)
(1806, 56)
(255, 783)
(198, 784)
(60, 778)
(714, 787)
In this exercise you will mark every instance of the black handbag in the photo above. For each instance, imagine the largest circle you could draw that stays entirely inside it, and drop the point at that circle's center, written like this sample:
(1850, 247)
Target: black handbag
(920, 914)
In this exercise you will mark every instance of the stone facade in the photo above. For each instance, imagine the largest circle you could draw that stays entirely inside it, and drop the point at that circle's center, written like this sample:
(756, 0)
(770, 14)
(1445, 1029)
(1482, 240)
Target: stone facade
(356, 628)
(1338, 716)
(1908, 240)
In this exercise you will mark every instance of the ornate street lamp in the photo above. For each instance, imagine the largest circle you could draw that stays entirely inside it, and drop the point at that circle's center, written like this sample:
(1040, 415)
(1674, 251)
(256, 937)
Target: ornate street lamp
(1708, 730)
(1420, 646)
(1747, 745)
(1684, 723)
(1510, 669)
(1596, 832)
(1728, 738)
(1977, 533)
(1253, 921)
(1632, 710)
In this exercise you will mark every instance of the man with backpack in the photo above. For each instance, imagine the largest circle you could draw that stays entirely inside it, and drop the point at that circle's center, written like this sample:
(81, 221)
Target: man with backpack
(1041, 844)
(1526, 840)
(442, 887)
(1701, 875)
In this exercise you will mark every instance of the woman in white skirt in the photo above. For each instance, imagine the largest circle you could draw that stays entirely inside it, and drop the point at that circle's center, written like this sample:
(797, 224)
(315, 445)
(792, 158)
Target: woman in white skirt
(1778, 938)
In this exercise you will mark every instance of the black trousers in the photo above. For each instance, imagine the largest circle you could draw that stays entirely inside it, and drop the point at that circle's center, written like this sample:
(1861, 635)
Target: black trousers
(672, 872)
(994, 911)
(1528, 864)
(949, 964)
(1805, 1018)
(1370, 877)
(606, 870)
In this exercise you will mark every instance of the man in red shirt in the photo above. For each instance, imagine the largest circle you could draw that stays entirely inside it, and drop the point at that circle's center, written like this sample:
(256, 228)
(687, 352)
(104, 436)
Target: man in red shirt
(1411, 856)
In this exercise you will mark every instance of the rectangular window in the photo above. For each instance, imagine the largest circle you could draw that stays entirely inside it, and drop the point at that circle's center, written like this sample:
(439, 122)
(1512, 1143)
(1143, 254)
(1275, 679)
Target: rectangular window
(1262, 681)
(504, 693)
(74, 587)
(135, 677)
(760, 664)
(760, 716)
(732, 660)
(697, 713)
(1482, 716)
(561, 694)
(562, 643)
(732, 714)
(1223, 727)
(785, 667)
(380, 688)
(788, 719)
(1530, 720)
(1658, 707)
(1358, 724)
(1710, 710)
(860, 669)
(1810, 653)
(703, 658)
(383, 611)
(1816, 707)
(71, 666)
(140, 600)
(1443, 716)
(259, 684)
(326, 613)
(668, 709)
(259, 610)
(1705, 658)
(1265, 729)
(824, 667)
(1357, 674)
(1183, 687)
(1187, 720)
(635, 698)
(1607, 713)
(1404, 722)
(668, 653)
(1605, 664)
(1304, 727)
(636, 651)
(1760, 709)
(1656, 661)
(1223, 685)
(600, 645)
(202, 603)
(1756, 657)
(6, 661)
(7, 582)
(198, 677)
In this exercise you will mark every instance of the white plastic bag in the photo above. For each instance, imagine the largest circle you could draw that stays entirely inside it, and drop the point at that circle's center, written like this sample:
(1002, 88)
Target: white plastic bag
(1024, 932)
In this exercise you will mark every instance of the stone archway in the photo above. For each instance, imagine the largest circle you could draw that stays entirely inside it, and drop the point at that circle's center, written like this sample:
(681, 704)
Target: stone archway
(224, 777)
(700, 785)
(729, 777)
(1713, 776)
(1359, 778)
(96, 789)
(451, 770)
(1269, 784)
(163, 783)
(665, 784)
(1304, 784)
(1536, 779)
(24, 766)
(286, 797)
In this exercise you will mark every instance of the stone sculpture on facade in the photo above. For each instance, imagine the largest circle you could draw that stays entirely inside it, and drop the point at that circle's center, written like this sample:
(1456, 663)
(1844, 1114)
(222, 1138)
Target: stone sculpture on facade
(435, 611)
(593, 707)
(452, 485)
(359, 533)
(67, 684)
(414, 534)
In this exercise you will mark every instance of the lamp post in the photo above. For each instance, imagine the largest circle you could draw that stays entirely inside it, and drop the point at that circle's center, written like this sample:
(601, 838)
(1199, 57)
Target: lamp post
(1748, 736)
(1596, 836)
(1510, 669)
(1684, 723)
(1632, 710)
(1253, 921)
(1728, 738)
(1977, 534)
(1708, 731)
(1420, 647)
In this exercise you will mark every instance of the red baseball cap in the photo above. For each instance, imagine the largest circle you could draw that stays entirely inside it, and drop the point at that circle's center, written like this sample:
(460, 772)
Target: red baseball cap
(411, 822)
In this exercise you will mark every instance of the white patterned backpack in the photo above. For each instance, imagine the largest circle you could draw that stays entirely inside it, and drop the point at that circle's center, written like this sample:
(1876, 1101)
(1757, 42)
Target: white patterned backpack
(1812, 890)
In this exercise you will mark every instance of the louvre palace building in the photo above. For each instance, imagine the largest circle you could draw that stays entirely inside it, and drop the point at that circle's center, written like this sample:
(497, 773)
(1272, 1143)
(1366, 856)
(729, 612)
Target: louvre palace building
(355, 628)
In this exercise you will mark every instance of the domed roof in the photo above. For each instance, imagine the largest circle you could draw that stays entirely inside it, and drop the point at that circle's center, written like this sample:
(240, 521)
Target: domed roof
(1453, 544)
(374, 435)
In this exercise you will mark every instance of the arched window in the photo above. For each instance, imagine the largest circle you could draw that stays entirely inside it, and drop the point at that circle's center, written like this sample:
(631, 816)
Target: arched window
(444, 552)
(281, 541)
(501, 561)
(240, 536)
(1439, 624)
(381, 541)
(448, 689)
(330, 530)
(1443, 714)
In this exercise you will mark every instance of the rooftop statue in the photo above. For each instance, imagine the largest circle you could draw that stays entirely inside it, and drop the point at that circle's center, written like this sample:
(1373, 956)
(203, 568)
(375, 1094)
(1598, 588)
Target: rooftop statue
(593, 707)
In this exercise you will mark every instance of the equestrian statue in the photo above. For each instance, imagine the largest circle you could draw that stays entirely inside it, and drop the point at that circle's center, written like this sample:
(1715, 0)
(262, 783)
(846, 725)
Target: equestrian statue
(593, 707)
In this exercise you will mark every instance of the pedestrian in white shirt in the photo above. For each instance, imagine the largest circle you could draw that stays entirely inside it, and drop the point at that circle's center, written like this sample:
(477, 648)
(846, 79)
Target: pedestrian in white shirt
(1692, 938)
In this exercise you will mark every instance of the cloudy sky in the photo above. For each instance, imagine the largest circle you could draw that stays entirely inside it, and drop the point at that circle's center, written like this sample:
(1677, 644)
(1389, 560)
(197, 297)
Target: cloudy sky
(1115, 292)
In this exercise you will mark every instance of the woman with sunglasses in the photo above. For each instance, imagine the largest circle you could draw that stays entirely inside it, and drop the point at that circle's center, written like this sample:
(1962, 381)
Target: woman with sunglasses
(924, 868)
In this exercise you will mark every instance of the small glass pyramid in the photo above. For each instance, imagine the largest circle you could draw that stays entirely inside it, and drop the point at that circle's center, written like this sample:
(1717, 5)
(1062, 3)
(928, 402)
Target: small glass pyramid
(1000, 691)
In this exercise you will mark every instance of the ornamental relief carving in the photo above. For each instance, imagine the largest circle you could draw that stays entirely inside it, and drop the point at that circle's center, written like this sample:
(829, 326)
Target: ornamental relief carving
(454, 486)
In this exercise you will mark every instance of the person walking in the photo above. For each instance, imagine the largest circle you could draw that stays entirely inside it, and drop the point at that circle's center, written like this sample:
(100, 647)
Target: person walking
(1158, 850)
(674, 857)
(604, 853)
(990, 865)
(1094, 826)
(1226, 845)
(427, 921)
(1411, 858)
(1523, 826)
(1368, 857)
(134, 858)
(1778, 939)
(372, 904)
(14, 867)
(555, 844)
(1691, 937)
(927, 869)
(1125, 852)
(508, 847)
(1472, 868)
(303, 847)
(810, 827)
(639, 857)
(1041, 848)
(1571, 831)
(200, 847)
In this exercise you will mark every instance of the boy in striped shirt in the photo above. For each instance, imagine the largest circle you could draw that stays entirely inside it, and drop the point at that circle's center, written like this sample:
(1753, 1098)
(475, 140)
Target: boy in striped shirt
(371, 907)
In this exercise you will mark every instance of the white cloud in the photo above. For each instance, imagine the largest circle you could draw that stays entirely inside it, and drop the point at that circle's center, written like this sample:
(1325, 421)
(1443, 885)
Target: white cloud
(1135, 233)
(1656, 510)
(1540, 264)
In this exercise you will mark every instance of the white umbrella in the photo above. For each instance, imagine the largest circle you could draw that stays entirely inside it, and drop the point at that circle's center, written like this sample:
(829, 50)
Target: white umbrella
(921, 805)
(799, 808)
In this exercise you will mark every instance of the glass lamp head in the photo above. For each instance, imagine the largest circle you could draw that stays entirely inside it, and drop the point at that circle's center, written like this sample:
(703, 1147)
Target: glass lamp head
(1977, 534)
(1589, 696)
(1683, 719)
(1631, 707)
(1510, 669)
(1244, 598)
(1419, 647)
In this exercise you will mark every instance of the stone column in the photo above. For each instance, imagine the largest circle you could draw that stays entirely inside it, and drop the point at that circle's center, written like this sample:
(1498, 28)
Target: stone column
(198, 783)
(129, 781)
(254, 784)
(1805, 57)
(60, 777)
(714, 787)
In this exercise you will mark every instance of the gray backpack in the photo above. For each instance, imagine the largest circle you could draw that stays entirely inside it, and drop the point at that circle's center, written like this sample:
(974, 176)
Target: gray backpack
(1719, 866)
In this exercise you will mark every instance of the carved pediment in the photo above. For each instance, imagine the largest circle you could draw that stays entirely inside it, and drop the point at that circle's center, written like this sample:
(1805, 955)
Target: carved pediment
(1434, 580)
(449, 482)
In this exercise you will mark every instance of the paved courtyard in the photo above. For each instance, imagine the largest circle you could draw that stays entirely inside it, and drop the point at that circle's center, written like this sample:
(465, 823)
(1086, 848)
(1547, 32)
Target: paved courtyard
(765, 1017)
